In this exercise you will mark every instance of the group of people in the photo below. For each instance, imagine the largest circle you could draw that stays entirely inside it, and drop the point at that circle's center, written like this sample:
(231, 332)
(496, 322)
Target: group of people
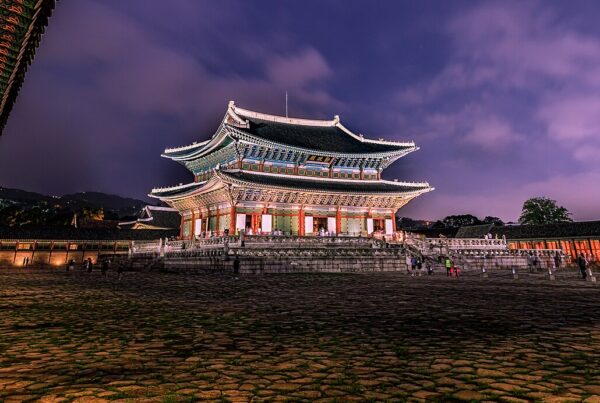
(414, 265)
(534, 263)
(452, 270)
(584, 264)
(88, 267)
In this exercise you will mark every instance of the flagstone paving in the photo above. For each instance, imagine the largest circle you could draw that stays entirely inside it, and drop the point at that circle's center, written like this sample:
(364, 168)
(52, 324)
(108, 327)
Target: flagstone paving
(306, 337)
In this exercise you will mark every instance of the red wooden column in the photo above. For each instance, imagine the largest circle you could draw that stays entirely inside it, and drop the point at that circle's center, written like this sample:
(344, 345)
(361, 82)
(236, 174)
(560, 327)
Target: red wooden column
(393, 222)
(338, 221)
(233, 219)
(207, 223)
(301, 222)
(217, 222)
(193, 226)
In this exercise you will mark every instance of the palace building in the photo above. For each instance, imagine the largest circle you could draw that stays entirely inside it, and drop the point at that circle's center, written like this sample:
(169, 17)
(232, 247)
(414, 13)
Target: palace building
(267, 174)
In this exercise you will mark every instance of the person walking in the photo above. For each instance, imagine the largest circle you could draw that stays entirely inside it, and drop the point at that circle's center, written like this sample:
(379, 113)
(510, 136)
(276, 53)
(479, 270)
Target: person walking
(71, 265)
(448, 264)
(119, 272)
(591, 260)
(530, 262)
(419, 264)
(582, 263)
(408, 262)
(413, 265)
(557, 260)
(104, 267)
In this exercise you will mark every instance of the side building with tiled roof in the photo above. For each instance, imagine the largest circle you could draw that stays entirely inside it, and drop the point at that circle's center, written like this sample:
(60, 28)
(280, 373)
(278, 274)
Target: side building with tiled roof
(154, 217)
(573, 238)
(55, 246)
(277, 175)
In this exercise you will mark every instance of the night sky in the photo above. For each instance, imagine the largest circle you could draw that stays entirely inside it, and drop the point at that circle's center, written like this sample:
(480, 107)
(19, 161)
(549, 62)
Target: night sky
(502, 97)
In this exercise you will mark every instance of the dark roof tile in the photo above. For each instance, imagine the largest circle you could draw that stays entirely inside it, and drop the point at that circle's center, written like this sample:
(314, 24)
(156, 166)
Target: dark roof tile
(303, 182)
(330, 138)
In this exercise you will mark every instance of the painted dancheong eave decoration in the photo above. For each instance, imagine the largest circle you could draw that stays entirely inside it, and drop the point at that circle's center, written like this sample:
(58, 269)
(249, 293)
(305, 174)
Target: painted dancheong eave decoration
(271, 174)
(22, 23)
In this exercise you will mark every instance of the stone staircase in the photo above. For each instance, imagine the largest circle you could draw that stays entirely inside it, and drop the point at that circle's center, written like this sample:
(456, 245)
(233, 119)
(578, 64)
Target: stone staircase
(292, 254)
(273, 254)
(477, 254)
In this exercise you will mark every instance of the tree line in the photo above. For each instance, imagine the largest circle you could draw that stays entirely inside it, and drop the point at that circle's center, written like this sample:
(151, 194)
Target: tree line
(535, 211)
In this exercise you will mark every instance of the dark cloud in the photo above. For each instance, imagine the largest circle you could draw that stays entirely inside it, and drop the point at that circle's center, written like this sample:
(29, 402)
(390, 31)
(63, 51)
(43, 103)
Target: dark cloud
(501, 96)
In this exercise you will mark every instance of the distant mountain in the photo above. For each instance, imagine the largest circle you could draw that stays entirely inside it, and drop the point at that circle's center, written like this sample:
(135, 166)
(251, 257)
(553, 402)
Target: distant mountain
(20, 207)
(124, 206)
(22, 196)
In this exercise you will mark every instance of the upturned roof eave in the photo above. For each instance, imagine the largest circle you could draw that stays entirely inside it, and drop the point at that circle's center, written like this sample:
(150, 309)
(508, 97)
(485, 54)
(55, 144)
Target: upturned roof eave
(16, 69)
(185, 189)
(223, 177)
(172, 152)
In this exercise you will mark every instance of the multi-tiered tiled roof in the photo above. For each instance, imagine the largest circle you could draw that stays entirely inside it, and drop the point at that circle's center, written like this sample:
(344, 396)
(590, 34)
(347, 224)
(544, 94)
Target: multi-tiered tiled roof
(260, 158)
(329, 137)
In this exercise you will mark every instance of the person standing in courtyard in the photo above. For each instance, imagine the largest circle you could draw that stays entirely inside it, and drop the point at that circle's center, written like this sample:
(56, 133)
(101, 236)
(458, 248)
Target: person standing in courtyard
(582, 263)
(591, 260)
(104, 267)
(236, 267)
(90, 265)
(530, 262)
(119, 272)
(71, 265)
(536, 262)
(448, 264)
(557, 260)
(408, 261)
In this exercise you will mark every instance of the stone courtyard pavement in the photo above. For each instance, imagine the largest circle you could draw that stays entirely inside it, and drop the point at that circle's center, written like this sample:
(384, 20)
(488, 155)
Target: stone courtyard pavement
(304, 337)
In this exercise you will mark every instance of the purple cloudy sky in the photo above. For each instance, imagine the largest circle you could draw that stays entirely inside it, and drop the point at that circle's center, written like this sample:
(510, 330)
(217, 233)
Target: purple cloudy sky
(502, 97)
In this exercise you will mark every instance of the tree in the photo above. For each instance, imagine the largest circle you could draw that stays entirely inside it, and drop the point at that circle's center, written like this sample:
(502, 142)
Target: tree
(456, 221)
(493, 220)
(543, 210)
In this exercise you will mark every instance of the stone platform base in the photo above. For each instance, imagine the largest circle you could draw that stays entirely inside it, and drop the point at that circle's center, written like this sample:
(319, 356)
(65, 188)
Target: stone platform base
(268, 265)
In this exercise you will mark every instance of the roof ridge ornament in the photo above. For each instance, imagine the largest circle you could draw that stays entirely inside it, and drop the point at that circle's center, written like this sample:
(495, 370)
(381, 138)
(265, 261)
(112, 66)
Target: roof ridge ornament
(232, 117)
(240, 112)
